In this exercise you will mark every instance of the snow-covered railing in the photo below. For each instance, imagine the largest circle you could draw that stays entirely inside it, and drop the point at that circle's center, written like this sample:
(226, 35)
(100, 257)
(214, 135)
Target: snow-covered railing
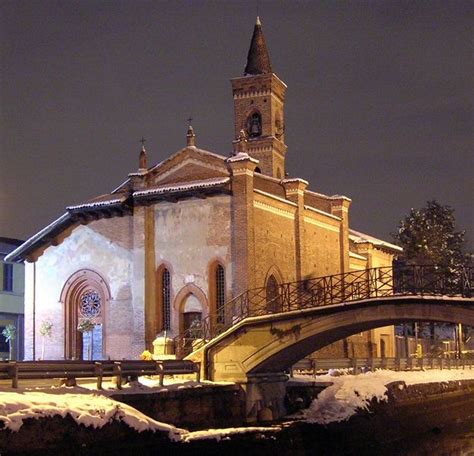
(71, 370)
(313, 366)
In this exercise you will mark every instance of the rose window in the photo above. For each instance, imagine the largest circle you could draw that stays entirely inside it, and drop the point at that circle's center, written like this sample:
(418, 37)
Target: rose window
(90, 305)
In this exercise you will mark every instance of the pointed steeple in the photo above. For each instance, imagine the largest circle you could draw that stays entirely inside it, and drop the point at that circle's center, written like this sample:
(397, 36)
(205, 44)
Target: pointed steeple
(258, 59)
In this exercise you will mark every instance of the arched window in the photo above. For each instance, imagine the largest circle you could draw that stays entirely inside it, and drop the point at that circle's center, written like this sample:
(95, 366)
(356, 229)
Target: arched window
(220, 294)
(273, 295)
(166, 299)
(163, 298)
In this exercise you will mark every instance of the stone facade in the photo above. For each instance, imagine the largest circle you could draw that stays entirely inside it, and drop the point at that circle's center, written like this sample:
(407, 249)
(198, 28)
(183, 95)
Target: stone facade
(175, 241)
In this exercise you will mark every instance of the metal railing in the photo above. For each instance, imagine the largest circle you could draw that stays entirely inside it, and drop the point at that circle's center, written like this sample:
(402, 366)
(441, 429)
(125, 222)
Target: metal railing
(70, 371)
(315, 366)
(329, 290)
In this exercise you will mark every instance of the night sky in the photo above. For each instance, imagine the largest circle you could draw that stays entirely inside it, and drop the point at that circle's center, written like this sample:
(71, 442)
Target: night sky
(379, 100)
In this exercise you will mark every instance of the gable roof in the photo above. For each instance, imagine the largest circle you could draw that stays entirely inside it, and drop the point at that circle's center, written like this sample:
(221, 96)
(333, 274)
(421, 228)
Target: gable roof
(176, 177)
(360, 238)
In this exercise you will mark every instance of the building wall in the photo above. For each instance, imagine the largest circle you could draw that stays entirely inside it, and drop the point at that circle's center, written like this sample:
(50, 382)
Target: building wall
(104, 246)
(190, 235)
(322, 250)
(274, 239)
(11, 302)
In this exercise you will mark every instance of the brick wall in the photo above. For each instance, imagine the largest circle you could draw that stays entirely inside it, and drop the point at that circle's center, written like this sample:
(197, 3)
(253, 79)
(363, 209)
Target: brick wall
(274, 238)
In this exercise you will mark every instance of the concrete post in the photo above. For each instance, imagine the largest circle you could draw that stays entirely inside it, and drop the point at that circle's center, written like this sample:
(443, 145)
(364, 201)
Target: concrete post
(265, 396)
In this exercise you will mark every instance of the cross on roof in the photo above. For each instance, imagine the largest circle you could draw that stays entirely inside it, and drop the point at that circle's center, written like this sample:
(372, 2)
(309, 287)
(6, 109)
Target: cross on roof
(143, 141)
(189, 119)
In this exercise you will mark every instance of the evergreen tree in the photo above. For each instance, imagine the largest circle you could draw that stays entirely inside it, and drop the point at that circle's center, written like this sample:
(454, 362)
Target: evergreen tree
(428, 236)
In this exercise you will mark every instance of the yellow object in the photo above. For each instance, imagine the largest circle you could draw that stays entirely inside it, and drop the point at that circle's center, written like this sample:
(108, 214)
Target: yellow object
(146, 355)
(419, 351)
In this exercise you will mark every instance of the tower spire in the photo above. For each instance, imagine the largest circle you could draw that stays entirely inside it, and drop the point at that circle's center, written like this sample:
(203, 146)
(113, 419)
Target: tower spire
(258, 59)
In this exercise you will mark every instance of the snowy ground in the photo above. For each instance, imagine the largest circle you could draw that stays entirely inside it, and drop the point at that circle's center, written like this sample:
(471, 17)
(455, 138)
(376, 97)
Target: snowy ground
(88, 409)
(351, 392)
(92, 408)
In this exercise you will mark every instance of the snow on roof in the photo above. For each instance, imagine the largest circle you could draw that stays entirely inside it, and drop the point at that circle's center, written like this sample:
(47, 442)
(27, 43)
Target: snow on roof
(139, 173)
(64, 219)
(241, 156)
(194, 148)
(359, 238)
(205, 183)
(319, 211)
(295, 179)
(96, 204)
(333, 197)
(123, 184)
(356, 255)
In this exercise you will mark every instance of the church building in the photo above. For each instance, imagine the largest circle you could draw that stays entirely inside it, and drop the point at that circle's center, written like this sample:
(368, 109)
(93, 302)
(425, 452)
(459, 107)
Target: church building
(175, 241)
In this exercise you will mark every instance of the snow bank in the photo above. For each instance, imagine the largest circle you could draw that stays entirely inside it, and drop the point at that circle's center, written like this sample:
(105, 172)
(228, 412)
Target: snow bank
(87, 409)
(223, 434)
(352, 392)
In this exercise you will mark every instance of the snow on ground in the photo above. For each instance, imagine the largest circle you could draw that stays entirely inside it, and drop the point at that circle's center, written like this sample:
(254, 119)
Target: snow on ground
(337, 402)
(149, 385)
(224, 434)
(88, 409)
(348, 393)
(96, 409)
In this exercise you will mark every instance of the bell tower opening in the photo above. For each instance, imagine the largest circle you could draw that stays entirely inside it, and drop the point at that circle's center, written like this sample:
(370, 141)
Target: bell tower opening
(254, 125)
(259, 100)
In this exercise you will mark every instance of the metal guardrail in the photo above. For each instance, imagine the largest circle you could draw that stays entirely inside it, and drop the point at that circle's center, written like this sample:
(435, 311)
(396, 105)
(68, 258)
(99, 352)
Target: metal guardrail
(120, 371)
(313, 366)
(323, 291)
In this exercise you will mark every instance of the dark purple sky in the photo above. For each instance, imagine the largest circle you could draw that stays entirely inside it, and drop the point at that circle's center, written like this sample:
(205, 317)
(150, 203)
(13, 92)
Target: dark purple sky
(379, 100)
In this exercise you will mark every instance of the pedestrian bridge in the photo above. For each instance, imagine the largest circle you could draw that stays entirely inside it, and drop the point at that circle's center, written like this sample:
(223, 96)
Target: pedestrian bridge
(265, 333)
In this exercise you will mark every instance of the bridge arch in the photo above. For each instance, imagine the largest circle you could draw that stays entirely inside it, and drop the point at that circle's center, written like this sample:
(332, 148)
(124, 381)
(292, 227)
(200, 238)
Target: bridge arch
(272, 343)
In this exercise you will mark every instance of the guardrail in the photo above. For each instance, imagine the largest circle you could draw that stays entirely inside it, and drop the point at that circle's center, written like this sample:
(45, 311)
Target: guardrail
(313, 366)
(70, 371)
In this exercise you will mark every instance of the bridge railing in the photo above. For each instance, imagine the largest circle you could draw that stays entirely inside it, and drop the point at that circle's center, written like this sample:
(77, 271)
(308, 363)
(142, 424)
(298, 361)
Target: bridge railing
(329, 290)
(318, 366)
(71, 370)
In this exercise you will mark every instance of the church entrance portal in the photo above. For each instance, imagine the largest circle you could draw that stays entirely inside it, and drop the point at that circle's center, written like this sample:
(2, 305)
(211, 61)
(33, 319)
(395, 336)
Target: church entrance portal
(84, 296)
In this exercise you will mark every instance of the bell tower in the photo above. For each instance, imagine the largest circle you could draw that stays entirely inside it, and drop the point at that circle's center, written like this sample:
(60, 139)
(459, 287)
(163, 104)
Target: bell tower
(259, 101)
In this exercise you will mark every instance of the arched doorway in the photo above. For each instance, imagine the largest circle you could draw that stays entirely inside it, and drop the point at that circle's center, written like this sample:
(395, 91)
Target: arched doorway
(84, 295)
(192, 316)
(273, 295)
